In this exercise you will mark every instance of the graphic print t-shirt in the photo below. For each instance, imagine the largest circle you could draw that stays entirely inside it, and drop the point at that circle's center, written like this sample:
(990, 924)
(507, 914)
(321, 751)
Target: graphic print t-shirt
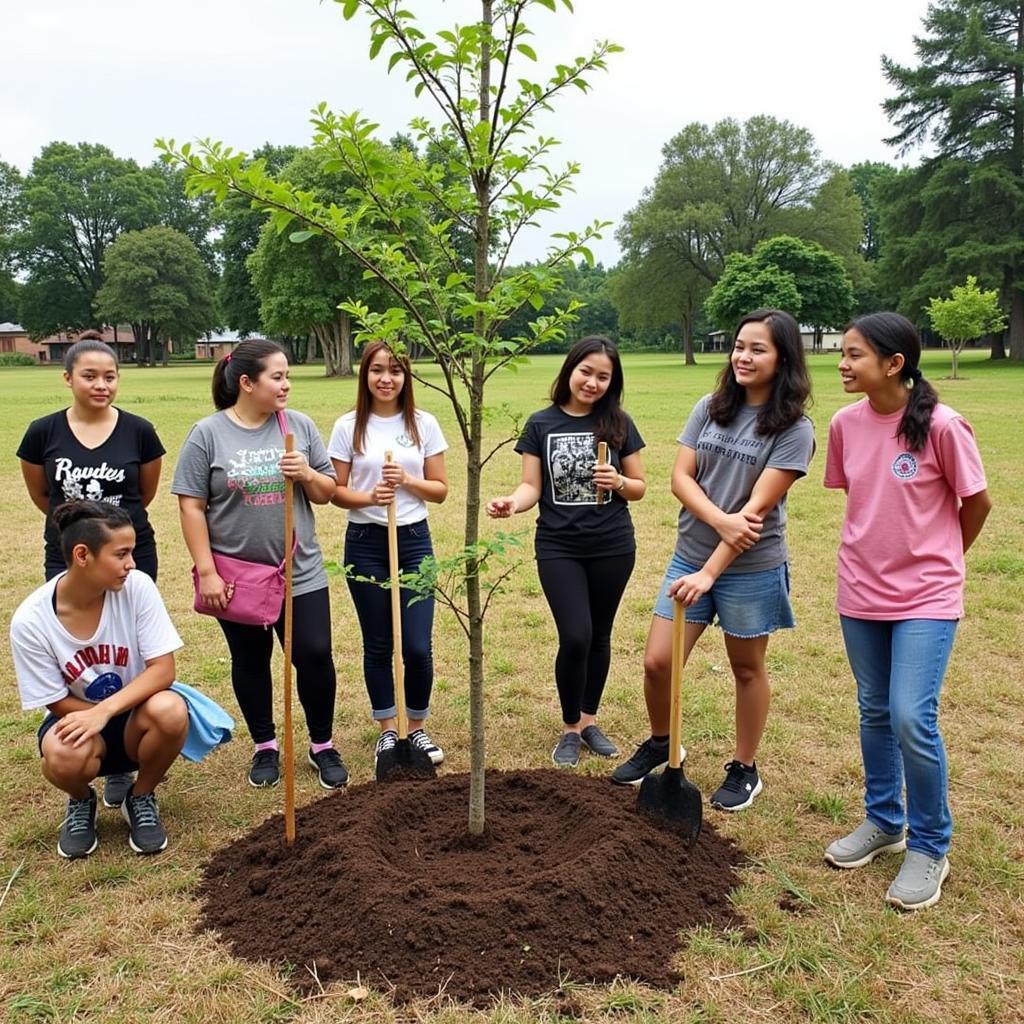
(729, 461)
(108, 472)
(571, 524)
(235, 470)
(51, 663)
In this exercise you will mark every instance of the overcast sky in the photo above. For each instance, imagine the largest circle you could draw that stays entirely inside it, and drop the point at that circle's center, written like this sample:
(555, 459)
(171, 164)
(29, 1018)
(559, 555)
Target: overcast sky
(122, 72)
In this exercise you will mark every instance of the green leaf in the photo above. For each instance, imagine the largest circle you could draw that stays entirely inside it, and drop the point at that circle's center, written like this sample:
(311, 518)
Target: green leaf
(349, 10)
(527, 51)
(300, 236)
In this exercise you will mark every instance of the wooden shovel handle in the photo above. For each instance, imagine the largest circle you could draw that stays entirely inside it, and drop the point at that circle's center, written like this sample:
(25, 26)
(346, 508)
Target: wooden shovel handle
(675, 725)
(289, 751)
(396, 617)
(602, 457)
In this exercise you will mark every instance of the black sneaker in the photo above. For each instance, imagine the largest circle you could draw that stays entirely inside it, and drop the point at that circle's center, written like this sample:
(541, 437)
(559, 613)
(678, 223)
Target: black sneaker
(385, 742)
(117, 787)
(145, 833)
(78, 831)
(567, 751)
(741, 785)
(649, 757)
(265, 769)
(330, 768)
(421, 741)
(597, 743)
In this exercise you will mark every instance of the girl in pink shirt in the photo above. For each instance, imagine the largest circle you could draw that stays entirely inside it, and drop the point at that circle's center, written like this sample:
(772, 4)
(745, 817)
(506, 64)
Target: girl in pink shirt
(916, 501)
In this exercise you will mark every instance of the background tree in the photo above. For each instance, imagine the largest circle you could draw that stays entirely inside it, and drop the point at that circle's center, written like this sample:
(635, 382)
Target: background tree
(966, 315)
(966, 95)
(75, 201)
(157, 282)
(723, 189)
(748, 284)
(495, 185)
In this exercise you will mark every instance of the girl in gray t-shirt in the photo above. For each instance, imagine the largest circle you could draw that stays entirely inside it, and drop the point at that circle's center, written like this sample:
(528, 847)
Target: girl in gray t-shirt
(741, 450)
(230, 486)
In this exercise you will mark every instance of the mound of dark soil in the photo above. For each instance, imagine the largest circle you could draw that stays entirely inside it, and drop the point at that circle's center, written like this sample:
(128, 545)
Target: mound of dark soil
(385, 881)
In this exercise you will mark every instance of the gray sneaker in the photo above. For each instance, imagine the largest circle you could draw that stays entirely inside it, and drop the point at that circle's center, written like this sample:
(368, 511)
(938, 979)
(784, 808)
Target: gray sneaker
(863, 845)
(116, 787)
(78, 831)
(567, 753)
(919, 883)
(649, 757)
(145, 831)
(597, 743)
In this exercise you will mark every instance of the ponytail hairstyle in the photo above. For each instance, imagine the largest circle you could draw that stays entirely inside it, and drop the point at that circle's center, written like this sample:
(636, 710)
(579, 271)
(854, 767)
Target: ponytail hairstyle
(87, 522)
(248, 359)
(890, 334)
(88, 341)
(364, 400)
(791, 388)
(610, 423)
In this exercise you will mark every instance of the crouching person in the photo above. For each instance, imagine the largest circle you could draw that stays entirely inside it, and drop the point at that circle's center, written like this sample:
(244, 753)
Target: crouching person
(95, 646)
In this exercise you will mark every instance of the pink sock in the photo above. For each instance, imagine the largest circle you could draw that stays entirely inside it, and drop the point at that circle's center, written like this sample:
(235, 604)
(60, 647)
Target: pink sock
(268, 745)
(317, 747)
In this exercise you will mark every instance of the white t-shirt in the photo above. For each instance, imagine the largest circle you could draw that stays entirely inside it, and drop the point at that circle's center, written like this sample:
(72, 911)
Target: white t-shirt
(51, 664)
(386, 433)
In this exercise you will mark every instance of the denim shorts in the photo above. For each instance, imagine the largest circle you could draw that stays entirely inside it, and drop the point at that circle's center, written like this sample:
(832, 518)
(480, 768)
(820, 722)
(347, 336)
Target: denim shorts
(747, 604)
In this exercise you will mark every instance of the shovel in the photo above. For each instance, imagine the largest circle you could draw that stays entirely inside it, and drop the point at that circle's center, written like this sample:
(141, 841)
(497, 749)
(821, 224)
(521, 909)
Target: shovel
(670, 798)
(403, 760)
(289, 750)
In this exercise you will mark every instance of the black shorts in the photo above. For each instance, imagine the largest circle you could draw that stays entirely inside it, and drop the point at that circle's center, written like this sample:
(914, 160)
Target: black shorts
(115, 760)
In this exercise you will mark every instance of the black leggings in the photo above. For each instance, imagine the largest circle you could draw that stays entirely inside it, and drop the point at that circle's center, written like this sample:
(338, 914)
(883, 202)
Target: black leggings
(584, 596)
(252, 648)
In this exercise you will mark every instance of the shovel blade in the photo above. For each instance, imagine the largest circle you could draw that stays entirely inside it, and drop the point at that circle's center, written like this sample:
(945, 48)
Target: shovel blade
(404, 761)
(672, 800)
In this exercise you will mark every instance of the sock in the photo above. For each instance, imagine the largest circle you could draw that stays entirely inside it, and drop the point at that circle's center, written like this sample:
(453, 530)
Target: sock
(661, 741)
(315, 748)
(266, 745)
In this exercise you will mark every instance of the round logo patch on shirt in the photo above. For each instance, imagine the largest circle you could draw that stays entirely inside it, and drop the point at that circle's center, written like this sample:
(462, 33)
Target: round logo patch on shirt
(103, 686)
(904, 466)
(405, 441)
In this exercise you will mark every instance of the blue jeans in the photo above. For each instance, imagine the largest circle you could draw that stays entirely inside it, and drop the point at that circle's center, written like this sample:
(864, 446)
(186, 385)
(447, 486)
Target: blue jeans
(899, 667)
(366, 550)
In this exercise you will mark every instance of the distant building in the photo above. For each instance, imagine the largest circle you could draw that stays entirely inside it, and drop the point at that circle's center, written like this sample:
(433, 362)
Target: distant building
(119, 338)
(14, 338)
(831, 341)
(216, 346)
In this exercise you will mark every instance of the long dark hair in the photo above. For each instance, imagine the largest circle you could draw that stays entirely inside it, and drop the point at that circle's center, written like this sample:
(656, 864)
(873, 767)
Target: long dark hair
(889, 334)
(87, 522)
(88, 341)
(249, 359)
(364, 402)
(791, 389)
(610, 423)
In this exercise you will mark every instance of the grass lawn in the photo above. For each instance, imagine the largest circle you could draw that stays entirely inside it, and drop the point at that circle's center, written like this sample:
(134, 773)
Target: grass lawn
(111, 938)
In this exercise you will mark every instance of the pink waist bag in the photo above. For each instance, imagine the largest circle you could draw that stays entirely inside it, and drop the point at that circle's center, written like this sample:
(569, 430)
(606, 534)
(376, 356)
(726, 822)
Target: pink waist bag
(257, 591)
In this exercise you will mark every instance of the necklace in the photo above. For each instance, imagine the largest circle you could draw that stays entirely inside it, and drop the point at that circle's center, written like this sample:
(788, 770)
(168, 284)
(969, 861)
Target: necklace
(234, 414)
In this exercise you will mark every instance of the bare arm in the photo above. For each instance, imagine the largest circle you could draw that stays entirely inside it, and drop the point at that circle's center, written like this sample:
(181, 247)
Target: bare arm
(80, 720)
(36, 485)
(974, 510)
(525, 496)
(740, 529)
(434, 485)
(318, 487)
(770, 488)
(630, 484)
(192, 513)
(149, 480)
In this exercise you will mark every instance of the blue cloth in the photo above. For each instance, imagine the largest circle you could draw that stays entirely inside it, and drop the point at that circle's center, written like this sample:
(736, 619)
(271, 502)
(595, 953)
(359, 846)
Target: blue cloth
(899, 667)
(209, 725)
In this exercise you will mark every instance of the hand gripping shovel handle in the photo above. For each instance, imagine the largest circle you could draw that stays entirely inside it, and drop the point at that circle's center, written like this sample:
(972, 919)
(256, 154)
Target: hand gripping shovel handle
(602, 457)
(289, 752)
(396, 617)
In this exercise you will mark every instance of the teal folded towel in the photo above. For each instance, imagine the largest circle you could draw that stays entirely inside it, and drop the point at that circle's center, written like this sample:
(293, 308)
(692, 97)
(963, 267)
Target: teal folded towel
(209, 725)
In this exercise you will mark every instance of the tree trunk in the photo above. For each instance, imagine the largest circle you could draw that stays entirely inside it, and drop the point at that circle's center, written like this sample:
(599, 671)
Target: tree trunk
(474, 605)
(1015, 335)
(997, 345)
(344, 344)
(686, 327)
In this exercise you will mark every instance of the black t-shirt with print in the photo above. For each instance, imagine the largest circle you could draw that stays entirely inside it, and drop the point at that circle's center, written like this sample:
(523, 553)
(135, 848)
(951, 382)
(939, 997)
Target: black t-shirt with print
(108, 472)
(571, 524)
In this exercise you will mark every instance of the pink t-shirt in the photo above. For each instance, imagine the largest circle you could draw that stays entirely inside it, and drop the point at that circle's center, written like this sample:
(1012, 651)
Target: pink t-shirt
(901, 554)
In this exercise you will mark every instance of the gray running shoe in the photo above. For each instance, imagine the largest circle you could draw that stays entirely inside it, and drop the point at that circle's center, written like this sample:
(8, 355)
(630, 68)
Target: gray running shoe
(78, 831)
(116, 787)
(421, 741)
(567, 753)
(265, 769)
(145, 832)
(597, 743)
(863, 845)
(919, 883)
(649, 757)
(330, 768)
